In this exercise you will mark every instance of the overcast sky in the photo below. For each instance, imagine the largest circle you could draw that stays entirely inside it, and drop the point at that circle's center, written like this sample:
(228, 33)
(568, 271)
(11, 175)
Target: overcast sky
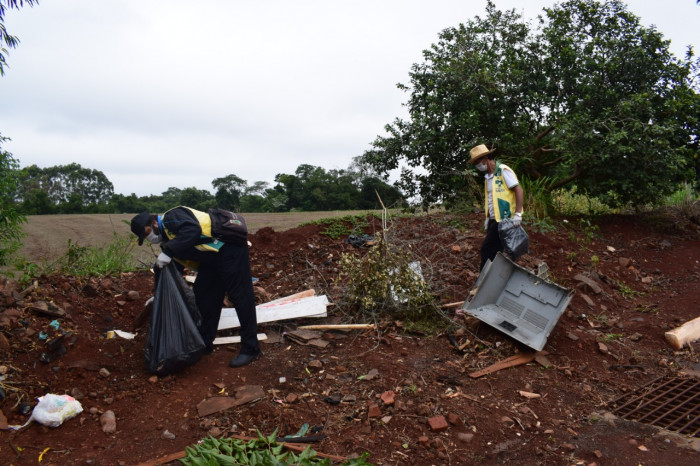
(173, 93)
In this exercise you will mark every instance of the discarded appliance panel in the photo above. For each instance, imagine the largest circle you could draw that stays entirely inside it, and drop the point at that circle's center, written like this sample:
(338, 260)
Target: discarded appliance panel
(517, 302)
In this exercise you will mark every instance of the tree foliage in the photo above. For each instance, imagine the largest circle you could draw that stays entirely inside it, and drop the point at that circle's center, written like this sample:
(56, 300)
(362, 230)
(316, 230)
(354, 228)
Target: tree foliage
(229, 190)
(11, 219)
(588, 98)
(7, 40)
(70, 189)
(64, 185)
(315, 189)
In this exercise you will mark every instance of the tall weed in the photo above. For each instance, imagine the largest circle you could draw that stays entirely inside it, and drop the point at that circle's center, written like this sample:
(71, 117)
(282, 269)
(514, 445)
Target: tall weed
(112, 258)
(571, 202)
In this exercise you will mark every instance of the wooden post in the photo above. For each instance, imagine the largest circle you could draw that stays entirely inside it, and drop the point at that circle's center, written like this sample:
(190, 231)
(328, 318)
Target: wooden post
(685, 334)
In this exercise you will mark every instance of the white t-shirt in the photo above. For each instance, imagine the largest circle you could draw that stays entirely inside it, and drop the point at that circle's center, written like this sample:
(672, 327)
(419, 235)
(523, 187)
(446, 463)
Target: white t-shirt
(511, 181)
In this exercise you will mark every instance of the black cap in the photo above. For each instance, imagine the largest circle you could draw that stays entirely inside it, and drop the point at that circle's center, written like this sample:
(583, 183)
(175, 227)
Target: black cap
(139, 224)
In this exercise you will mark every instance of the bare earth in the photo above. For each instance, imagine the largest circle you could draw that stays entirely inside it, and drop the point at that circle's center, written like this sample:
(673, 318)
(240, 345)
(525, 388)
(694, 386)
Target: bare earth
(608, 343)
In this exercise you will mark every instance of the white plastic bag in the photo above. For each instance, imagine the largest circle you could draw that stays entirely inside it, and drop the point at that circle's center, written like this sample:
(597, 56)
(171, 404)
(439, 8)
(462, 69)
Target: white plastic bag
(52, 410)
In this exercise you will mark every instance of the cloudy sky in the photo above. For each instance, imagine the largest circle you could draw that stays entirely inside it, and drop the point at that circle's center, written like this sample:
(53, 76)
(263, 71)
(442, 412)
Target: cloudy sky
(173, 93)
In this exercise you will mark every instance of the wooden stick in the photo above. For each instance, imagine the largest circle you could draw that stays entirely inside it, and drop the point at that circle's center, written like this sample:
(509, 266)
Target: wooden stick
(685, 334)
(516, 360)
(338, 327)
(457, 304)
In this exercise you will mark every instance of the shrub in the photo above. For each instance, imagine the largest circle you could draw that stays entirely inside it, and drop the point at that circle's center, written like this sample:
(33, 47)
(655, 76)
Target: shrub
(385, 280)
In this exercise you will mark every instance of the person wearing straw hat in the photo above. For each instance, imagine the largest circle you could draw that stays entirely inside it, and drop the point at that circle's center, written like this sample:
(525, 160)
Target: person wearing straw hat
(503, 198)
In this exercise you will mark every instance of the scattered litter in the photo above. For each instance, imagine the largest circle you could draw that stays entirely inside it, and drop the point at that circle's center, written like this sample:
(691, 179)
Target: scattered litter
(52, 410)
(291, 307)
(360, 240)
(370, 375)
(515, 301)
(244, 394)
(417, 277)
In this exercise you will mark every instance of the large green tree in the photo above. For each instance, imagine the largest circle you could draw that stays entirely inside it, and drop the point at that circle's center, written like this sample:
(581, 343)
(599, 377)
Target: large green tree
(588, 98)
(11, 219)
(313, 188)
(229, 190)
(65, 185)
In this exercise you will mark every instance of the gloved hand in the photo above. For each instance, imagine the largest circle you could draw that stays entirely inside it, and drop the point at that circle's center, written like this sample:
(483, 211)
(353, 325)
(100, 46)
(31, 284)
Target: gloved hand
(517, 219)
(486, 224)
(163, 260)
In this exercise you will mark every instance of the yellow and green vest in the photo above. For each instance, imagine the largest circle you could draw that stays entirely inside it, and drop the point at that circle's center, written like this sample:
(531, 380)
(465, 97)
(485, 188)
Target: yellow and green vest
(503, 197)
(211, 244)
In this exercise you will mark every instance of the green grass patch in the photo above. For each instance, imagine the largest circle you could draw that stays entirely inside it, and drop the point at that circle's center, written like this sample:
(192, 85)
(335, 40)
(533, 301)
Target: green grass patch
(111, 258)
(338, 227)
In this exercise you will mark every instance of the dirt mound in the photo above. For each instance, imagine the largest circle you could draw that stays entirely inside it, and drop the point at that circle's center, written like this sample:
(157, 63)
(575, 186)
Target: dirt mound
(405, 398)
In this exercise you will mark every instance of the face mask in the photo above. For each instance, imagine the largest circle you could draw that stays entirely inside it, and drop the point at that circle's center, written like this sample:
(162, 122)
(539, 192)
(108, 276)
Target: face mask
(153, 238)
(481, 166)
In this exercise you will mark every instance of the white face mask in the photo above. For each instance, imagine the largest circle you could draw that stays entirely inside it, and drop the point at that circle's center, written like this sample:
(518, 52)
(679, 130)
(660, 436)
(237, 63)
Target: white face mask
(481, 166)
(153, 238)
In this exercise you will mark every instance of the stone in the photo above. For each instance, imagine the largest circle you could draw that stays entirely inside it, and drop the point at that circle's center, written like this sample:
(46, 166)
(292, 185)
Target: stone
(388, 397)
(104, 372)
(108, 421)
(423, 410)
(587, 281)
(132, 295)
(315, 364)
(374, 411)
(453, 419)
(424, 440)
(602, 347)
(437, 423)
(291, 398)
(465, 437)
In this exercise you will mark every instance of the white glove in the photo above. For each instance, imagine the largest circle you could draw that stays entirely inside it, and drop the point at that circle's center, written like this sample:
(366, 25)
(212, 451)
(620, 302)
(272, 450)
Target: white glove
(486, 224)
(163, 260)
(517, 219)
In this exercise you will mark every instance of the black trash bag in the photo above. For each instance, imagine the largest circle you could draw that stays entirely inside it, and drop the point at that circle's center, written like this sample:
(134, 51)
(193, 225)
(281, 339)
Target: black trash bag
(174, 341)
(359, 240)
(514, 239)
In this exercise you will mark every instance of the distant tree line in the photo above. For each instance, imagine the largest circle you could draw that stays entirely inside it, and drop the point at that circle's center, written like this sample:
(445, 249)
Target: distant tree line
(71, 189)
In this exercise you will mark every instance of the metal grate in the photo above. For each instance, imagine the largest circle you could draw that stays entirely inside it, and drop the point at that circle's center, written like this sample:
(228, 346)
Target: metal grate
(671, 403)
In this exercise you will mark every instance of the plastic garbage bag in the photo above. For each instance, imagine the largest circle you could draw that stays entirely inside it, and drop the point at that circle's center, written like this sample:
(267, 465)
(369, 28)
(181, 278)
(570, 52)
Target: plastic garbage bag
(174, 341)
(514, 239)
(52, 410)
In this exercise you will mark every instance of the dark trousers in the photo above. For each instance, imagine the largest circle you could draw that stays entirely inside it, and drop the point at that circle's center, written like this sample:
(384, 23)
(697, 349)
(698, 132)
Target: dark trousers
(227, 274)
(492, 243)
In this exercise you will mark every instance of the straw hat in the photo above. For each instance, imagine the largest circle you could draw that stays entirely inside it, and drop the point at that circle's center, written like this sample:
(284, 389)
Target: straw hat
(479, 151)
